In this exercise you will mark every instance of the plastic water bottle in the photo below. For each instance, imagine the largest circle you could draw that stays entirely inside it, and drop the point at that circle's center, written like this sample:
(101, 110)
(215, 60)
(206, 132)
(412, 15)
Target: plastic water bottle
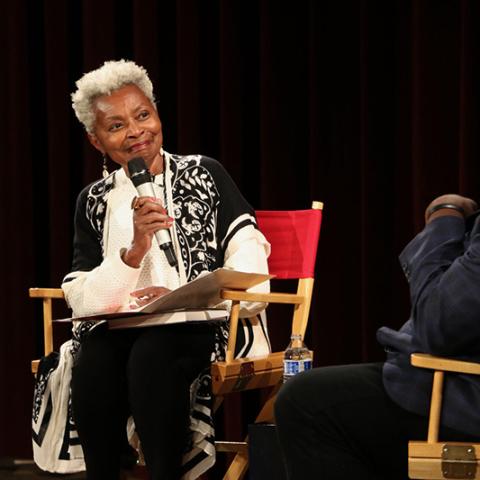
(297, 358)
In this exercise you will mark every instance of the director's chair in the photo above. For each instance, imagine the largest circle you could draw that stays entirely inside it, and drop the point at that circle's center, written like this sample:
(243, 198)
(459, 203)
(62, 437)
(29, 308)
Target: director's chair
(293, 236)
(435, 459)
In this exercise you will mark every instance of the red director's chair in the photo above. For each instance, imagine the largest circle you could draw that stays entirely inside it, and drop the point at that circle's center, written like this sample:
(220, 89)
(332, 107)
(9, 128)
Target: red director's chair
(293, 236)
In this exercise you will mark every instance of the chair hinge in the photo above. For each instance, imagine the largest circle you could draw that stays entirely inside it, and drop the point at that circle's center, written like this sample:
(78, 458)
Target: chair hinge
(459, 461)
(247, 371)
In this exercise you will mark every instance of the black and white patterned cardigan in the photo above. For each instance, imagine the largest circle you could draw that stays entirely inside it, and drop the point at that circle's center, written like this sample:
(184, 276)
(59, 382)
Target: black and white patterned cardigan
(213, 226)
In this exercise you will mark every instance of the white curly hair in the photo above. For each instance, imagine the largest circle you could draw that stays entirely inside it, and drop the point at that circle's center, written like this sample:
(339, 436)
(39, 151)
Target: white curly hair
(111, 76)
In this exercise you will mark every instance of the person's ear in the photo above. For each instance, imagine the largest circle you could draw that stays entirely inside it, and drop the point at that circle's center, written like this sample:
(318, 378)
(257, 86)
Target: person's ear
(94, 141)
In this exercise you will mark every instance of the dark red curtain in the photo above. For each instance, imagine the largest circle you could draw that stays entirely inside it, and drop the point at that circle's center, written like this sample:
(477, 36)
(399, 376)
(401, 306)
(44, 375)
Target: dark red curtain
(371, 107)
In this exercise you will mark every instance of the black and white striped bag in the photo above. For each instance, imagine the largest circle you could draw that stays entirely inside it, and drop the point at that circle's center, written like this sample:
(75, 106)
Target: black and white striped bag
(56, 446)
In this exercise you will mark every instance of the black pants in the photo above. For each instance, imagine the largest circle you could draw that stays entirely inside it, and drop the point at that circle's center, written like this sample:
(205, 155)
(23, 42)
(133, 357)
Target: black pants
(338, 423)
(144, 372)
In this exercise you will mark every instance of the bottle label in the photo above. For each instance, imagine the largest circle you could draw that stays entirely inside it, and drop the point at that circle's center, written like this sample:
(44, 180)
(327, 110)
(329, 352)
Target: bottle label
(292, 367)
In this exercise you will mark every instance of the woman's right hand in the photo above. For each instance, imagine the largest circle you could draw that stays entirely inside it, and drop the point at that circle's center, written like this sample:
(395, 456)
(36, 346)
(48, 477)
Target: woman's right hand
(149, 216)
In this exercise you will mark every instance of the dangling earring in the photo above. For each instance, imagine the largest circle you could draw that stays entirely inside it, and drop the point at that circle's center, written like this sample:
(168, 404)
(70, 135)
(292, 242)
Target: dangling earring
(105, 173)
(161, 151)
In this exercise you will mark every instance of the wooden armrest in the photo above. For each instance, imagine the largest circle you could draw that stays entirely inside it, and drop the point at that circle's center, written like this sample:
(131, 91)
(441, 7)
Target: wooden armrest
(425, 360)
(46, 293)
(241, 295)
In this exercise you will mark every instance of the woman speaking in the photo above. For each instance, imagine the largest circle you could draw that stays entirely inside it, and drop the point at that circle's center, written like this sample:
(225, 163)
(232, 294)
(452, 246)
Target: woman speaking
(157, 375)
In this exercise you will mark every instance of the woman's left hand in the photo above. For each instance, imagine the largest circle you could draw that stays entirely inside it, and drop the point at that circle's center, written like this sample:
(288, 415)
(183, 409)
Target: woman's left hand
(147, 295)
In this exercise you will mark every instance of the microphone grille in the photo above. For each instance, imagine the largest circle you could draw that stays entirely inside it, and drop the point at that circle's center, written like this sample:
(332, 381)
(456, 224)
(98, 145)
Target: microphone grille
(138, 171)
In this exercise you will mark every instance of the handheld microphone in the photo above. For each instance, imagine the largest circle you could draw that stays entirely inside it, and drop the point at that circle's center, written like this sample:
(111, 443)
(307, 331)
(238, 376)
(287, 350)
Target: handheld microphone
(141, 178)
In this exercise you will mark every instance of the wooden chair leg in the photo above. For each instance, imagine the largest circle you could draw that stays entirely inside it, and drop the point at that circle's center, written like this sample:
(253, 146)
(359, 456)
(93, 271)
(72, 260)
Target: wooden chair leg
(435, 407)
(266, 413)
(239, 466)
(217, 401)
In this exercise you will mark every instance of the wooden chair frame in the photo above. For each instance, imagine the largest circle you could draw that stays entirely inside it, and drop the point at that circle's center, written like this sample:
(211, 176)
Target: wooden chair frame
(434, 459)
(241, 374)
(232, 375)
(47, 295)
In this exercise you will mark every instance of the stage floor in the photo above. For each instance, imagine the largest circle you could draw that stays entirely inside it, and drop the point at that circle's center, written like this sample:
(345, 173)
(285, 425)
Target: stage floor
(26, 470)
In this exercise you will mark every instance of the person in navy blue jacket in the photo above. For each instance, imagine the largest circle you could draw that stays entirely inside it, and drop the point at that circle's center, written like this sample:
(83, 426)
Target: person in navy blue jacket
(355, 421)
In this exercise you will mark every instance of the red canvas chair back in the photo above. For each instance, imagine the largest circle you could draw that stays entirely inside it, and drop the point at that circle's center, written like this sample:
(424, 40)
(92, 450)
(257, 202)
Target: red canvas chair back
(293, 236)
